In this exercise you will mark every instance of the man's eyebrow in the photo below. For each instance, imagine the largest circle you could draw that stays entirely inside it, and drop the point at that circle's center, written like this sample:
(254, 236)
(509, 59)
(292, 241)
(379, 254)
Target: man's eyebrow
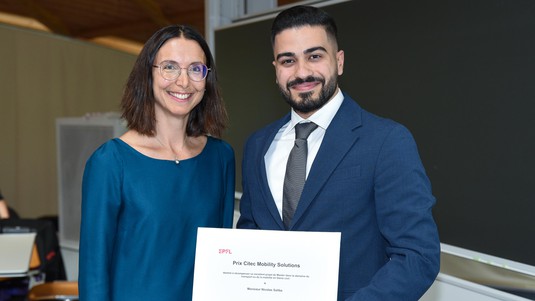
(309, 50)
(285, 54)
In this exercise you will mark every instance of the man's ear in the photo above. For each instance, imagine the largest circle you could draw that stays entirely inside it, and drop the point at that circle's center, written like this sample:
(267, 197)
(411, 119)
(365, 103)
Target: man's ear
(340, 61)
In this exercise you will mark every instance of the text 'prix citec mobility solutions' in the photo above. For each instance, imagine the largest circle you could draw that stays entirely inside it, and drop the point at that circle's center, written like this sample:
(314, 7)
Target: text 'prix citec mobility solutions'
(266, 264)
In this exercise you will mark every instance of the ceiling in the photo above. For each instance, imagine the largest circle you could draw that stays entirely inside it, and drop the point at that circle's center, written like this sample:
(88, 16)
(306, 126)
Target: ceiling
(120, 24)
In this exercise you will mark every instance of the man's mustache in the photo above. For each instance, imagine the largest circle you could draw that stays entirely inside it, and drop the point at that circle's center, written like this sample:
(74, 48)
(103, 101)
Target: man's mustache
(309, 79)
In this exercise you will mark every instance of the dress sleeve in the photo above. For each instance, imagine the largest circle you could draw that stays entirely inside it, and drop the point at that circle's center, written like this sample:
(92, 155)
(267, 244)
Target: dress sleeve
(101, 201)
(230, 182)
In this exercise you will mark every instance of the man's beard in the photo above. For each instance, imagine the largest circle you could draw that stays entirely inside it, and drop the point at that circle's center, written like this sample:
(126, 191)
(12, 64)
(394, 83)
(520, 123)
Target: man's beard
(307, 103)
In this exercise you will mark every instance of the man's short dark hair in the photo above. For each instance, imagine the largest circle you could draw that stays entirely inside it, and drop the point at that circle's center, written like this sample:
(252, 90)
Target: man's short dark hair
(303, 15)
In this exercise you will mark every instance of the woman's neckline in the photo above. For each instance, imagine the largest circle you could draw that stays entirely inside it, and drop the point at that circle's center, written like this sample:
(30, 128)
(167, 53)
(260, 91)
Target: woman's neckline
(165, 160)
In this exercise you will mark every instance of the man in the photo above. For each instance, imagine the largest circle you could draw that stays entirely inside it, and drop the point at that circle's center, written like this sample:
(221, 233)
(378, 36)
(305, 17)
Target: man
(365, 178)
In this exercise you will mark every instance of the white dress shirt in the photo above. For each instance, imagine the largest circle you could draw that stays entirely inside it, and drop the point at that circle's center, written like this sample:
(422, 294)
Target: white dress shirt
(279, 150)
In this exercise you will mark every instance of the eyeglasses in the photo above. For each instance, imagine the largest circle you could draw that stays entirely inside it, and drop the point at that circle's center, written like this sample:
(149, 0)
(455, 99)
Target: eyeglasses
(170, 70)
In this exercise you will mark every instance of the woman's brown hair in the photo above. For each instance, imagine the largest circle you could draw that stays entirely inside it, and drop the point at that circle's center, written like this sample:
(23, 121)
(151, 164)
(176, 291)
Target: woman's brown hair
(209, 117)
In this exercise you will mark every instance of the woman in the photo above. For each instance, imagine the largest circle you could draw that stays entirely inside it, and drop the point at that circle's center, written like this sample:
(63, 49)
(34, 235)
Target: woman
(145, 194)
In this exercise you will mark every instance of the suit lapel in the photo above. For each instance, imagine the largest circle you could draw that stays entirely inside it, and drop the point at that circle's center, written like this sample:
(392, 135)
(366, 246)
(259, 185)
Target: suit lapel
(339, 138)
(263, 144)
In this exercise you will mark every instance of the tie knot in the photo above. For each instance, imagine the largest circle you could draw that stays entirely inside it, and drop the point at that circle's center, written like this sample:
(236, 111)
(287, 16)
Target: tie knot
(302, 130)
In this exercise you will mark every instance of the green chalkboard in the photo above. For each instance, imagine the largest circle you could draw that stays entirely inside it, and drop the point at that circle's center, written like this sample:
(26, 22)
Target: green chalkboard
(460, 74)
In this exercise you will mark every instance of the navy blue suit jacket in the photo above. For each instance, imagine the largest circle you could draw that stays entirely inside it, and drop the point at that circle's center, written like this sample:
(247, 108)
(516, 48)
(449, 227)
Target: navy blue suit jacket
(367, 182)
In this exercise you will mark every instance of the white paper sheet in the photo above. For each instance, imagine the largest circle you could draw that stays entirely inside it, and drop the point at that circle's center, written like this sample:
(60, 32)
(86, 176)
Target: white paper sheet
(245, 265)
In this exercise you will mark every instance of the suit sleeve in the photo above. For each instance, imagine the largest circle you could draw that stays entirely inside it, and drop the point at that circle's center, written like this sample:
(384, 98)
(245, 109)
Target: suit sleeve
(404, 204)
(246, 220)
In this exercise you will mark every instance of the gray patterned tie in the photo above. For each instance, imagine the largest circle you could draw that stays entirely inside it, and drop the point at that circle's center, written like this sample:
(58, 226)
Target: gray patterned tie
(294, 179)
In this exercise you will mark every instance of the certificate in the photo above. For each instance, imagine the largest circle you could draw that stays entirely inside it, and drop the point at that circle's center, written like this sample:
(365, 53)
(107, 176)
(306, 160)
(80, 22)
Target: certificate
(245, 265)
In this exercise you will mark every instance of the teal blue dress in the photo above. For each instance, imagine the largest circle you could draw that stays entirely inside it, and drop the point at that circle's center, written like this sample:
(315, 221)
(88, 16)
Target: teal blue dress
(140, 217)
